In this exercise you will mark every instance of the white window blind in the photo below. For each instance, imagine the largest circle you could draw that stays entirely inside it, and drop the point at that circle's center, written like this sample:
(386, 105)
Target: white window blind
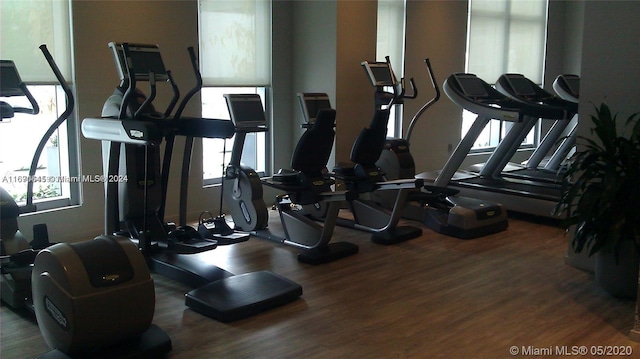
(507, 36)
(235, 42)
(390, 42)
(25, 25)
(390, 37)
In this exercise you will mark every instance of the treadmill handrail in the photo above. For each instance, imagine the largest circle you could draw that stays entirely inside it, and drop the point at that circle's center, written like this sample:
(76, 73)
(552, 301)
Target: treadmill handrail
(562, 88)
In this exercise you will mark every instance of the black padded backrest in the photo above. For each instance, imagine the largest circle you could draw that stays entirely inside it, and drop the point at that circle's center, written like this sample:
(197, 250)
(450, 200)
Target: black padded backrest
(370, 142)
(314, 147)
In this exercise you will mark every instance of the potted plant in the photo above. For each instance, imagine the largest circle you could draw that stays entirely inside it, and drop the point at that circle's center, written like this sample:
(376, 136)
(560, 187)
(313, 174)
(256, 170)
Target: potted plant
(600, 200)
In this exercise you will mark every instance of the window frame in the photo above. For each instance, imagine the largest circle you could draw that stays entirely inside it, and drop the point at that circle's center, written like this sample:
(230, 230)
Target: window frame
(383, 37)
(507, 18)
(261, 169)
(37, 75)
(260, 66)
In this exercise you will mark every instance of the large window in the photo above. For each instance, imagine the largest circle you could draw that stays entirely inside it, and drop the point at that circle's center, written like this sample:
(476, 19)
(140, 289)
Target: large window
(390, 42)
(235, 57)
(218, 153)
(505, 36)
(25, 25)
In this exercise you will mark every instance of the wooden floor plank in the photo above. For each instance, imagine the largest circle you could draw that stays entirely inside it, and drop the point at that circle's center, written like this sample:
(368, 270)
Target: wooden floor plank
(433, 296)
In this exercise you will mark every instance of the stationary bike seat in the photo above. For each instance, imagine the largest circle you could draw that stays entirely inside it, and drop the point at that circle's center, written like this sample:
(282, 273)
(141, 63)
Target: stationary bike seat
(286, 176)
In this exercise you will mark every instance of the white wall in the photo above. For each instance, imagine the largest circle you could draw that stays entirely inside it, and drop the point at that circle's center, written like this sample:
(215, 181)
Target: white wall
(314, 40)
(437, 30)
(356, 42)
(282, 134)
(331, 39)
(610, 54)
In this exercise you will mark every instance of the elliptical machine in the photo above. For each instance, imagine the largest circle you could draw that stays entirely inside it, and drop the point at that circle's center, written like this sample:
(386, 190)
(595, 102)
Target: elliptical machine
(41, 279)
(139, 202)
(439, 208)
(71, 280)
(305, 185)
(16, 253)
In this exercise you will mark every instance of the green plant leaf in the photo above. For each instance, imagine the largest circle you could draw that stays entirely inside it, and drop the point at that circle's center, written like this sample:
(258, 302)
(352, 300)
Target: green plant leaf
(601, 187)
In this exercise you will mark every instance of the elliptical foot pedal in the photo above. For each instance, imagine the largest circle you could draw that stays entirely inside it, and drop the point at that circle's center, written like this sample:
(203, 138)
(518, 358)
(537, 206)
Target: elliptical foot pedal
(329, 253)
(153, 343)
(396, 235)
(233, 238)
(242, 296)
(191, 246)
(218, 230)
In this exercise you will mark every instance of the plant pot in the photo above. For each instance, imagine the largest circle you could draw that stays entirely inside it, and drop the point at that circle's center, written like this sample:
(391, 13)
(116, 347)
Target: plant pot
(582, 260)
(620, 279)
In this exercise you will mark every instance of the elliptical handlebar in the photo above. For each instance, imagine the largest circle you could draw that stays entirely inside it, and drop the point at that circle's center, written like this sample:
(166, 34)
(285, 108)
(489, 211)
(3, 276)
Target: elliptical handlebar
(196, 88)
(399, 89)
(176, 95)
(70, 103)
(388, 99)
(398, 86)
(150, 98)
(428, 104)
(414, 89)
(131, 82)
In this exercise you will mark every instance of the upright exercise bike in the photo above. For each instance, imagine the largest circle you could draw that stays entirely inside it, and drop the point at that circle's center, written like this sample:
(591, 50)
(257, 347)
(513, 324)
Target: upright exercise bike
(17, 254)
(363, 176)
(305, 186)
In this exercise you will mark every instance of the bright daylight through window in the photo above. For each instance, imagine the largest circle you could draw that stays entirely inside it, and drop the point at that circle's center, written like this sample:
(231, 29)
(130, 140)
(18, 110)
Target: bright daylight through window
(505, 36)
(235, 57)
(390, 42)
(25, 25)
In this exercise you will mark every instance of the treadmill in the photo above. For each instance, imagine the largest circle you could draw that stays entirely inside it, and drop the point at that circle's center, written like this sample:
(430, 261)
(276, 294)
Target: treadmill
(520, 88)
(218, 293)
(519, 195)
(567, 86)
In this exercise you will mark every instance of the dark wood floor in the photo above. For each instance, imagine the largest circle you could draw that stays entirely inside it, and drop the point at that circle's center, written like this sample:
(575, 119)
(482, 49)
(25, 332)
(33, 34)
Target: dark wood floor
(431, 297)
